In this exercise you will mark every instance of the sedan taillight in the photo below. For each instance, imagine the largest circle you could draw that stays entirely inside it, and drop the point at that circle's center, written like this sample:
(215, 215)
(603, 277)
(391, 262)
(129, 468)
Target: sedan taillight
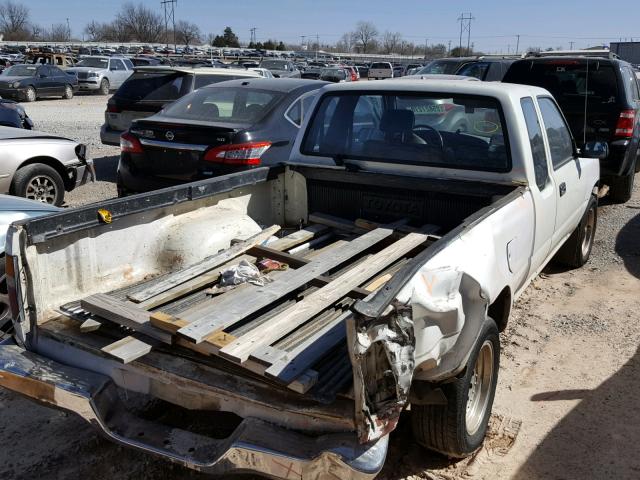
(130, 144)
(238, 154)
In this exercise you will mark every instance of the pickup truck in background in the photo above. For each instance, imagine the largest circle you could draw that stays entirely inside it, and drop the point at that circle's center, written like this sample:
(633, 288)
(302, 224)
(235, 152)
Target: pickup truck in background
(381, 71)
(384, 258)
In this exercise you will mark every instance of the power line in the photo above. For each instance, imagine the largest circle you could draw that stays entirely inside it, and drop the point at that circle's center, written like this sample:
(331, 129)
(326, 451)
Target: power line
(465, 26)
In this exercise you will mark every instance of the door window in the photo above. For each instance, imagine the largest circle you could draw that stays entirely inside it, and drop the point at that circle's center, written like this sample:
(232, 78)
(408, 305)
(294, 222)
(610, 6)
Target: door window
(536, 141)
(117, 65)
(560, 141)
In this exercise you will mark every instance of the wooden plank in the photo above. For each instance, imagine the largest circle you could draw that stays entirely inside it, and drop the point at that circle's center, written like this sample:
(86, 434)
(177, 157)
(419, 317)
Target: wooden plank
(335, 222)
(302, 357)
(229, 309)
(186, 274)
(213, 343)
(298, 237)
(124, 314)
(90, 325)
(128, 349)
(292, 318)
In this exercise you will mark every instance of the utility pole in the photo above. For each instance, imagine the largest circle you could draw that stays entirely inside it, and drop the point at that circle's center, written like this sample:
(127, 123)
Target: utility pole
(518, 44)
(302, 37)
(68, 30)
(449, 52)
(426, 47)
(170, 16)
(571, 45)
(465, 26)
(317, 45)
(253, 36)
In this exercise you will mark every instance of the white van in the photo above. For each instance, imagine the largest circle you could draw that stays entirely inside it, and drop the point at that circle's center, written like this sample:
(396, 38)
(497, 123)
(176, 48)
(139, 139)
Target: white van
(380, 70)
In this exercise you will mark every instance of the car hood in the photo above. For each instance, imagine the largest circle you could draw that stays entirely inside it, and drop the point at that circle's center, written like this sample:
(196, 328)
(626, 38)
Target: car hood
(13, 209)
(9, 133)
(12, 78)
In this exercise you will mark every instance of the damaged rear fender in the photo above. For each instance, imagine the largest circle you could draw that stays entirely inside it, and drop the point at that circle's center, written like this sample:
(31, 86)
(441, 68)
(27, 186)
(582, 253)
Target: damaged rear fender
(427, 333)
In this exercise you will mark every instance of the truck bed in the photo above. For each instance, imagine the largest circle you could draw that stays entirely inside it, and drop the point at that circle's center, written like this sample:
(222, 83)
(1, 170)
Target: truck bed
(310, 356)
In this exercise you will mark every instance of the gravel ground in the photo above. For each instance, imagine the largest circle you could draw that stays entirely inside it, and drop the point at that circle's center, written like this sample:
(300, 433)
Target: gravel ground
(567, 393)
(80, 119)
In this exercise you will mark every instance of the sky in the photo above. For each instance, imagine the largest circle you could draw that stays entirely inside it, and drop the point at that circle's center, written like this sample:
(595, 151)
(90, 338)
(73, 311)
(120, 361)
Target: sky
(544, 23)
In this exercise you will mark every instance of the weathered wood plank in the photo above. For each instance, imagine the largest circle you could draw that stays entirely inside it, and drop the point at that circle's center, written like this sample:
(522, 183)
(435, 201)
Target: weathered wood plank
(296, 361)
(276, 327)
(220, 314)
(335, 222)
(128, 349)
(298, 237)
(186, 274)
(172, 324)
(90, 325)
(123, 314)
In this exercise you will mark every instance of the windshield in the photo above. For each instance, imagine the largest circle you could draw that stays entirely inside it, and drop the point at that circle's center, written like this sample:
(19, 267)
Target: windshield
(93, 63)
(440, 67)
(273, 64)
(228, 105)
(20, 71)
(462, 132)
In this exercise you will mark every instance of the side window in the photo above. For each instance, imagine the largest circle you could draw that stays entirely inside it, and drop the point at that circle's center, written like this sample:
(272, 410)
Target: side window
(537, 143)
(128, 63)
(294, 113)
(117, 65)
(560, 143)
(633, 84)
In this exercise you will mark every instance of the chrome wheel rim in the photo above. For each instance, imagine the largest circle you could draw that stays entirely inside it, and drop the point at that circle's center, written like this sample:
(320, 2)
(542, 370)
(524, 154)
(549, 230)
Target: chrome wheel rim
(480, 388)
(68, 92)
(589, 228)
(31, 94)
(42, 188)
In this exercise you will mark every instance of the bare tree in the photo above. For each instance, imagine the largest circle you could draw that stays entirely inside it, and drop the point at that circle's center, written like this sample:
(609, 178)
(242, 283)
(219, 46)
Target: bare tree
(58, 33)
(391, 41)
(188, 33)
(365, 35)
(95, 31)
(14, 21)
(346, 42)
(142, 23)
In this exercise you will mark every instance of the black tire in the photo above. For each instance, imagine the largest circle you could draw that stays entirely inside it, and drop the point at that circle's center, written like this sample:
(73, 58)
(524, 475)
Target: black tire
(5, 310)
(443, 428)
(31, 95)
(68, 92)
(39, 182)
(577, 249)
(621, 188)
(104, 87)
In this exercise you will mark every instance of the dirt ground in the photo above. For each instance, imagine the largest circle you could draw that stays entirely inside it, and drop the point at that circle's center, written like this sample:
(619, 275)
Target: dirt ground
(566, 407)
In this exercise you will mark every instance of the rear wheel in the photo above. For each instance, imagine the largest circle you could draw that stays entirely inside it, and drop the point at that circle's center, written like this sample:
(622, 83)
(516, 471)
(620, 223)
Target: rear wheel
(39, 182)
(68, 92)
(577, 249)
(31, 95)
(104, 87)
(458, 428)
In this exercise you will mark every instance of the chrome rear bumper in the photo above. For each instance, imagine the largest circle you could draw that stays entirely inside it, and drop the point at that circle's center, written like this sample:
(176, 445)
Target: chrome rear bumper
(254, 446)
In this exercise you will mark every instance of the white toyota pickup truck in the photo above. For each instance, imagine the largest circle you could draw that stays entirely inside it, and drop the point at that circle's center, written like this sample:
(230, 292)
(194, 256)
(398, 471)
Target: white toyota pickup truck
(383, 259)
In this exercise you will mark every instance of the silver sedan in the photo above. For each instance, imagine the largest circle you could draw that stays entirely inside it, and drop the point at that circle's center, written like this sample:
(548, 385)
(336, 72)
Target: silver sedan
(40, 166)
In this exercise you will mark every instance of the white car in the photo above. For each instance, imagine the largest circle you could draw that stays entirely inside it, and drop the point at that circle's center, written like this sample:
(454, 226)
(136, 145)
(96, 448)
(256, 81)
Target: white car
(102, 74)
(380, 70)
(263, 72)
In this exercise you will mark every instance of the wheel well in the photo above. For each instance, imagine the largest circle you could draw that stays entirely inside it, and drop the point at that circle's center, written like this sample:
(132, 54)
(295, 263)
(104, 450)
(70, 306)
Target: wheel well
(53, 163)
(500, 309)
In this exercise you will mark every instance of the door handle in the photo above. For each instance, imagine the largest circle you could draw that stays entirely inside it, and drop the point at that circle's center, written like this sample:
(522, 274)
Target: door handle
(563, 188)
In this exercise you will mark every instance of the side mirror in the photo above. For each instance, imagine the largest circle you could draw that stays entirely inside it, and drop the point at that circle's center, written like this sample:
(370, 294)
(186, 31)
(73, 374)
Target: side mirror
(599, 150)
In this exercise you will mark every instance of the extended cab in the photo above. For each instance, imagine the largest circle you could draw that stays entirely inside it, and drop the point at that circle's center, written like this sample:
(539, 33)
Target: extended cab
(384, 257)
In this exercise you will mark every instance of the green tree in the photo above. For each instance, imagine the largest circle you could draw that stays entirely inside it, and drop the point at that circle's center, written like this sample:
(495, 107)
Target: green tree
(230, 38)
(281, 47)
(269, 45)
(218, 41)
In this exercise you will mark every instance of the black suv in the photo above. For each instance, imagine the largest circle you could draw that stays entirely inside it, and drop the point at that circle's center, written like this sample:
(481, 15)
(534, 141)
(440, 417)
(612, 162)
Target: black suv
(600, 98)
(487, 69)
